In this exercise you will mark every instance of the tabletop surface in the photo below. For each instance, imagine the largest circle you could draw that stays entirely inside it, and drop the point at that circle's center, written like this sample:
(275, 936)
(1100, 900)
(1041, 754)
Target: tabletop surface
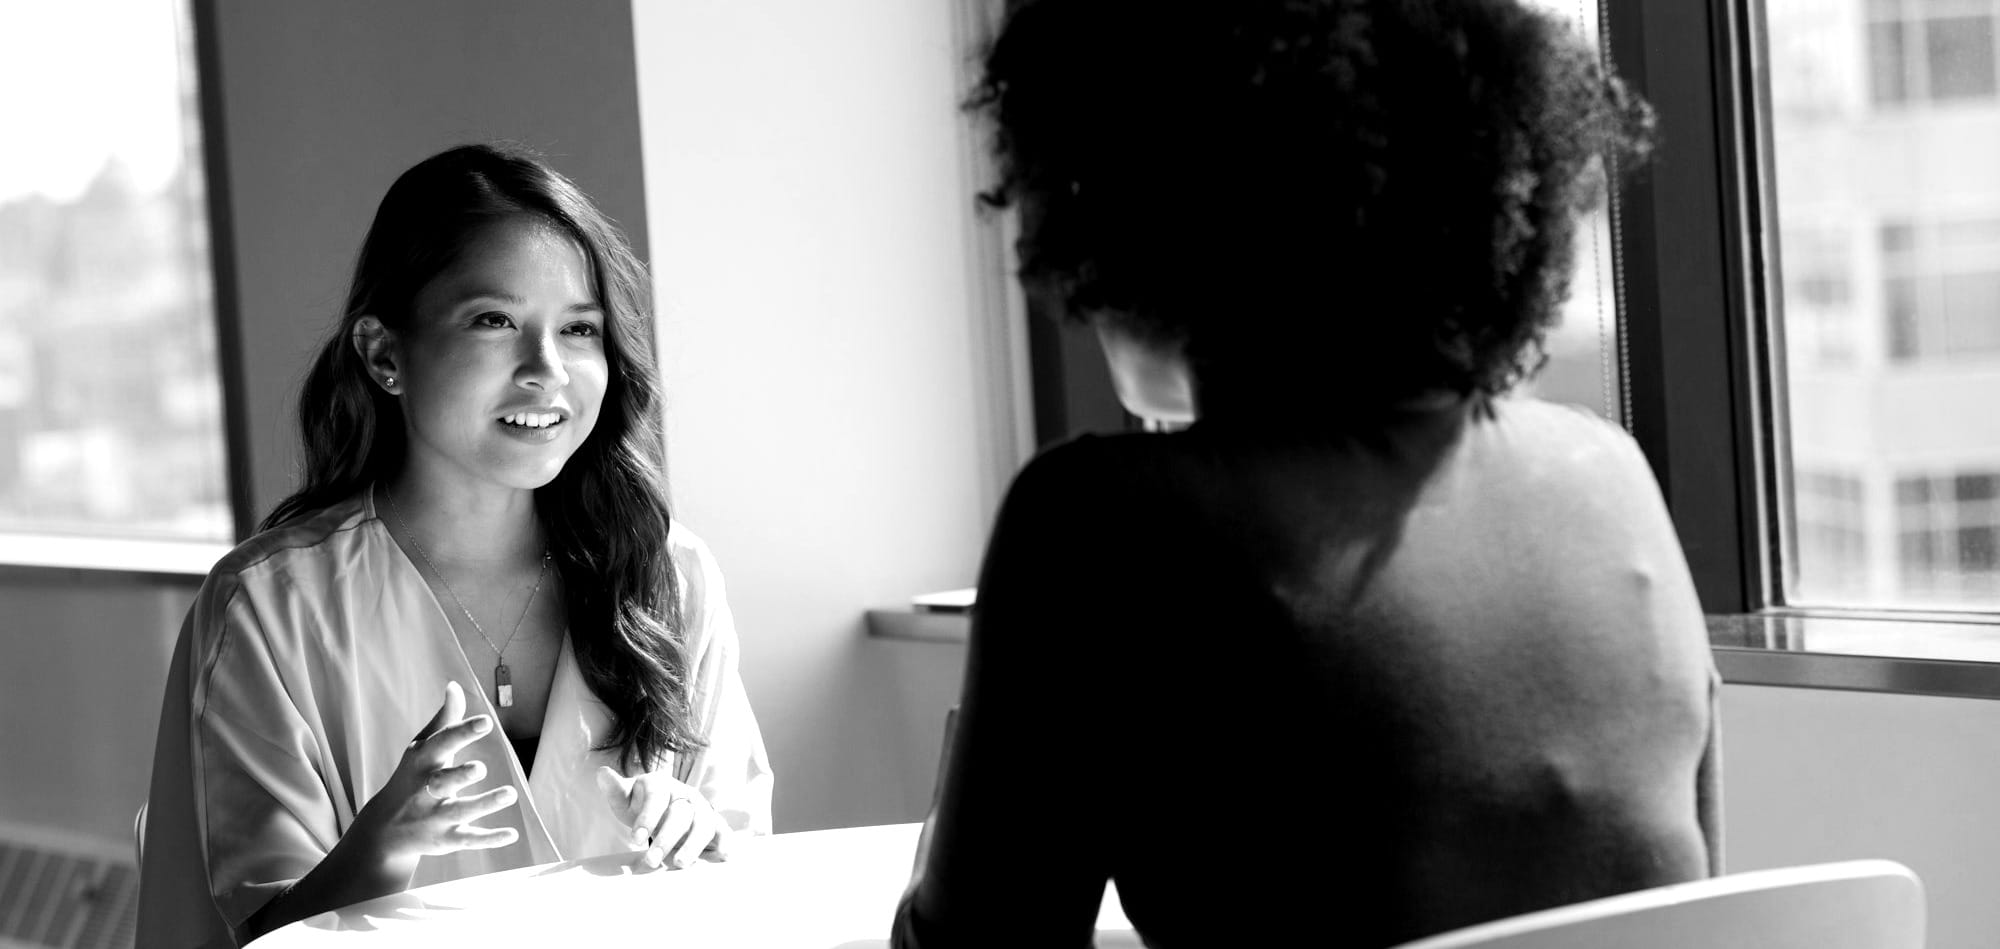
(828, 889)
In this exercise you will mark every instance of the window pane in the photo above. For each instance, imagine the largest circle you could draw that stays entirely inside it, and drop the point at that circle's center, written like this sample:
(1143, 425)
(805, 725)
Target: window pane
(1960, 57)
(1887, 67)
(1893, 161)
(1977, 487)
(1900, 301)
(1972, 311)
(110, 406)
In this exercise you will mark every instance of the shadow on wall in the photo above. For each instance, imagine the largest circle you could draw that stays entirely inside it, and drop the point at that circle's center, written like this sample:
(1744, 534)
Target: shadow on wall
(869, 753)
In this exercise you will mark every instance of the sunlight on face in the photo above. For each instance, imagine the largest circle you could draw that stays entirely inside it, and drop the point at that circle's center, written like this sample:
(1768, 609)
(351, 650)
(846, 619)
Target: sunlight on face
(504, 363)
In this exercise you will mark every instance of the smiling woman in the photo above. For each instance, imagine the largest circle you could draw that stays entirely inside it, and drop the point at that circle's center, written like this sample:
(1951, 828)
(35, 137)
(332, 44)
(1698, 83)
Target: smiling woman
(503, 363)
(491, 385)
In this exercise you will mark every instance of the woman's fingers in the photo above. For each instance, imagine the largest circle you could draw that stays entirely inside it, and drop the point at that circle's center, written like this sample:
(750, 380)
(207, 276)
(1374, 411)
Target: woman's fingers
(650, 802)
(451, 711)
(468, 837)
(446, 782)
(445, 745)
(668, 818)
(674, 825)
(460, 810)
(699, 836)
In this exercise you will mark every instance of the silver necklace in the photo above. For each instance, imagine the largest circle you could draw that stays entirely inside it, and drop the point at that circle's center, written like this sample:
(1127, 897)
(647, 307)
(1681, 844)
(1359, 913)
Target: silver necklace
(503, 678)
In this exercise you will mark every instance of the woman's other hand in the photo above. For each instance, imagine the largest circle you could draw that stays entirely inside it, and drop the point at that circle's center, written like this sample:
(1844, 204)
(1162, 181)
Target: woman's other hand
(418, 812)
(671, 820)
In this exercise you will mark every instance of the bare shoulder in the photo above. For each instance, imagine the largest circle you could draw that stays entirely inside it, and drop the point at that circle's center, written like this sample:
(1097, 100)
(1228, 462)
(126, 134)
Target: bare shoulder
(1561, 424)
(1567, 447)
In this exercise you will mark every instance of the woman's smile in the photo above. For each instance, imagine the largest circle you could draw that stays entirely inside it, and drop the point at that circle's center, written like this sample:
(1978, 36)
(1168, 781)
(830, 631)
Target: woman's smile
(532, 428)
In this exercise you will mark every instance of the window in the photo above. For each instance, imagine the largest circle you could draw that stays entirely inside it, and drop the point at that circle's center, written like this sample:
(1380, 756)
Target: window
(1946, 529)
(1800, 272)
(1929, 50)
(111, 416)
(1941, 288)
(1831, 516)
(1822, 323)
(1892, 353)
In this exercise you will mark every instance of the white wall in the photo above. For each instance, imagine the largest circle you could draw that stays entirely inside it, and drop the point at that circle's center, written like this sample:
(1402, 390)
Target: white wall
(1812, 775)
(833, 428)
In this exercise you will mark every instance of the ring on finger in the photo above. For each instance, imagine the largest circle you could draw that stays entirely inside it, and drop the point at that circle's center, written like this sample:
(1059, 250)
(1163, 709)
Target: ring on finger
(435, 796)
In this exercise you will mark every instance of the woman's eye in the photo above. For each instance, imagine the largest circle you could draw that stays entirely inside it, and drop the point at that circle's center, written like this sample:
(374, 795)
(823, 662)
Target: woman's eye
(581, 329)
(494, 320)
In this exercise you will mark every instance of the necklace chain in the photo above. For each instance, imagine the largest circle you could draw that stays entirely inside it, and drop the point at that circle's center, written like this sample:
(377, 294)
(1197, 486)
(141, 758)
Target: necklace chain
(500, 651)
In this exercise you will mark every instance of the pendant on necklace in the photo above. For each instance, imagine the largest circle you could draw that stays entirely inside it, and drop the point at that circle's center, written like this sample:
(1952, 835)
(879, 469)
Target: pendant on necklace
(503, 686)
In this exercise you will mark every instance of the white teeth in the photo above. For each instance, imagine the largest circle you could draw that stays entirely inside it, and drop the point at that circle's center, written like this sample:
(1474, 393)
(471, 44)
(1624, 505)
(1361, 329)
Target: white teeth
(532, 419)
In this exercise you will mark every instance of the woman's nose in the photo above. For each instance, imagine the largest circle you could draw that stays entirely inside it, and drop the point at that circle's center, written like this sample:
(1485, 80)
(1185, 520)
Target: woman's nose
(542, 364)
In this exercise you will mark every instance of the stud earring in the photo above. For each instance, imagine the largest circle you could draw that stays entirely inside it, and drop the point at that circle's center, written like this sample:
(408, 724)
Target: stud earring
(389, 383)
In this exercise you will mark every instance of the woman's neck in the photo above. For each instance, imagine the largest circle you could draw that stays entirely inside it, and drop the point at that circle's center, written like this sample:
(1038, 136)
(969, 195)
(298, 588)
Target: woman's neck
(463, 526)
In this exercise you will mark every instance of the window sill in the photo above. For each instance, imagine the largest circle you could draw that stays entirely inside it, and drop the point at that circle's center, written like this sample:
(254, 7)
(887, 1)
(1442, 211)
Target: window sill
(41, 554)
(1914, 654)
(1867, 653)
(925, 626)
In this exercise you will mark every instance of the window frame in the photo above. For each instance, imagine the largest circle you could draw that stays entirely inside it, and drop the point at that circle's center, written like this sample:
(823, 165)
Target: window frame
(1696, 278)
(229, 349)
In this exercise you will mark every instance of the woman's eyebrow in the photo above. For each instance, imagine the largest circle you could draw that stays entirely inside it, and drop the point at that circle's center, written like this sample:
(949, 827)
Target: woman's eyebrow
(501, 296)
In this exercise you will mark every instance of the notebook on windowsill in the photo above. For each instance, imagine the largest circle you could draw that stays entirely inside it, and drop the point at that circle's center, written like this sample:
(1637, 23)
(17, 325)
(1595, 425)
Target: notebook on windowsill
(947, 601)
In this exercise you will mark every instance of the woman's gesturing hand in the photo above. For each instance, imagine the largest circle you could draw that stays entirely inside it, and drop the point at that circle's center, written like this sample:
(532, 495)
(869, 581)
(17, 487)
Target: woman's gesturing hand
(672, 821)
(418, 812)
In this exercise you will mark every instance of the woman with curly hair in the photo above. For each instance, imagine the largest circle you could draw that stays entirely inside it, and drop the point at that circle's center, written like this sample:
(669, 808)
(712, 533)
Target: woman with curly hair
(1371, 649)
(482, 528)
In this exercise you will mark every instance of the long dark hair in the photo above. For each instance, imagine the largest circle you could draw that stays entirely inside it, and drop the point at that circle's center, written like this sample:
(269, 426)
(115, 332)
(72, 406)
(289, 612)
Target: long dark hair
(605, 515)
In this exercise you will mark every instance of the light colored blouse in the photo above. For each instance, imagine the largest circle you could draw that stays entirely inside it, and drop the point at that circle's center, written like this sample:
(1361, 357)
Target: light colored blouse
(312, 656)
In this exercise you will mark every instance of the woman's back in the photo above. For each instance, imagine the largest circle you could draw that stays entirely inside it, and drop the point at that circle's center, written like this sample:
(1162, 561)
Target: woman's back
(1443, 674)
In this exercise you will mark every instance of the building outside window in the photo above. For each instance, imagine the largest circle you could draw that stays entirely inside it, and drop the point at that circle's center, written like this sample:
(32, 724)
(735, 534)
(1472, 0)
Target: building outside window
(1930, 51)
(1946, 529)
(1941, 288)
(1888, 224)
(110, 402)
(1830, 509)
(1823, 324)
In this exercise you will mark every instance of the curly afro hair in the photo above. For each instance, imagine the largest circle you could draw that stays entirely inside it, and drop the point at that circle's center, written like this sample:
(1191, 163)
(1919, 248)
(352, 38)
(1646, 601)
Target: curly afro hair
(1329, 203)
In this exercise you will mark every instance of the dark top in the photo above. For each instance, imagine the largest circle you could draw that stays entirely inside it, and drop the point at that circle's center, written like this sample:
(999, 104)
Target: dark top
(524, 749)
(1358, 689)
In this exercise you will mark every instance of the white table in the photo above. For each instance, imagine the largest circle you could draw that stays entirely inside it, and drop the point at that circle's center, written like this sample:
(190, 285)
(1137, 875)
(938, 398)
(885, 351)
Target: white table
(828, 889)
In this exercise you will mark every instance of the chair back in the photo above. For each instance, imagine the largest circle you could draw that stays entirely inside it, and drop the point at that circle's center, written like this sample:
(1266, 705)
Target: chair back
(1856, 904)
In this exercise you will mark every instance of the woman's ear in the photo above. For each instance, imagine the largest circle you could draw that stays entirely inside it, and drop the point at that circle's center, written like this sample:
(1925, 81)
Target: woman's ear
(378, 351)
(1152, 379)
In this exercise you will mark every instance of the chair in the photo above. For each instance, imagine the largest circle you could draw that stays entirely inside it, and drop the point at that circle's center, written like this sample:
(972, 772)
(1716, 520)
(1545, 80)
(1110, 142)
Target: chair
(1856, 904)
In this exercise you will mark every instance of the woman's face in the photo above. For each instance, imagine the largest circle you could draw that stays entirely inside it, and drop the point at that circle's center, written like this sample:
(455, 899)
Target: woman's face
(503, 365)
